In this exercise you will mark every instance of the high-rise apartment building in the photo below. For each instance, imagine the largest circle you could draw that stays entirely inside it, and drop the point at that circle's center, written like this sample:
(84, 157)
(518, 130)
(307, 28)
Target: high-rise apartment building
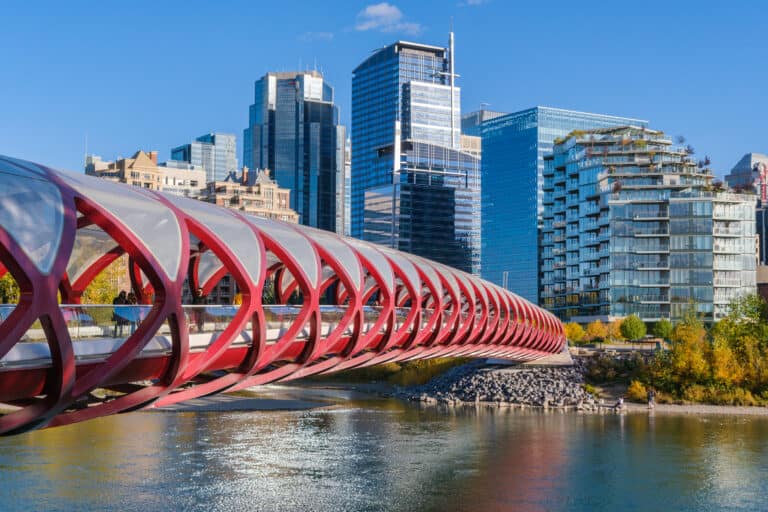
(347, 188)
(215, 152)
(293, 129)
(513, 148)
(633, 225)
(413, 188)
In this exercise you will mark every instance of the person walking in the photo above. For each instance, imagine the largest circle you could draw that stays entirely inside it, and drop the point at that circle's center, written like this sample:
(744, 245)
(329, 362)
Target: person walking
(118, 301)
(199, 300)
(651, 398)
(133, 311)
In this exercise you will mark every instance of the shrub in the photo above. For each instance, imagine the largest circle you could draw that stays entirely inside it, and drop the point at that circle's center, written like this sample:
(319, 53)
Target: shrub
(696, 393)
(632, 328)
(637, 391)
(607, 369)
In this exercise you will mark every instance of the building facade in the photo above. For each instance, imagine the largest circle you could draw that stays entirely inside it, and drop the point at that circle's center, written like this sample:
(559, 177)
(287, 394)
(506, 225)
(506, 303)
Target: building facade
(183, 179)
(432, 214)
(254, 193)
(294, 129)
(472, 122)
(347, 188)
(633, 225)
(214, 152)
(413, 187)
(141, 170)
(513, 147)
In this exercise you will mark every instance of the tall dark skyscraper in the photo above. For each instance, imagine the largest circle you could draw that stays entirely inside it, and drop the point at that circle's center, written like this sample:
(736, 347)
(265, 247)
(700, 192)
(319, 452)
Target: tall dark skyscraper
(294, 130)
(413, 187)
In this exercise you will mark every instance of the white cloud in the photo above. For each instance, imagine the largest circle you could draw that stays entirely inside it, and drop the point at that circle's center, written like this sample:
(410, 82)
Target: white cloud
(385, 17)
(316, 36)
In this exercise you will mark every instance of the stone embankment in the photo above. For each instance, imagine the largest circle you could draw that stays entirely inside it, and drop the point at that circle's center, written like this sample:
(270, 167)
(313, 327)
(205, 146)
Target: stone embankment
(523, 386)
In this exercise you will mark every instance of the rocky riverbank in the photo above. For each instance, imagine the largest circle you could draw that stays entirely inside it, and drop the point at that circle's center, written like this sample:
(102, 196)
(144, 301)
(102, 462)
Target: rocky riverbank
(524, 386)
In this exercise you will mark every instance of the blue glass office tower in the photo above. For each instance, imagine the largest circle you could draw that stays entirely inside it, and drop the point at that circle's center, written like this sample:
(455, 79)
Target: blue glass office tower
(513, 147)
(294, 130)
(215, 152)
(413, 188)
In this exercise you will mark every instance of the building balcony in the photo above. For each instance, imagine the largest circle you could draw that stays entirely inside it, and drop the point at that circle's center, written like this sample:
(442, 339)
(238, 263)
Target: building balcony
(652, 216)
(724, 249)
(728, 283)
(650, 234)
(657, 250)
(726, 232)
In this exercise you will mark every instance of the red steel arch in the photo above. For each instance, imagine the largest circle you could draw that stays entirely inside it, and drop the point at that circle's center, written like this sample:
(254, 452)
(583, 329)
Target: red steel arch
(359, 304)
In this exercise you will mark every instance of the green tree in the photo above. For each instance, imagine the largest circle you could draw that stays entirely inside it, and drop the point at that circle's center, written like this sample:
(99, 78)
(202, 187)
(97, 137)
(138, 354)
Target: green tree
(574, 332)
(662, 329)
(632, 328)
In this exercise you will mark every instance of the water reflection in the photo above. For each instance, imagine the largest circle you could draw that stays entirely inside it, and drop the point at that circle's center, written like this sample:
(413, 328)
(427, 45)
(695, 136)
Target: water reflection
(382, 455)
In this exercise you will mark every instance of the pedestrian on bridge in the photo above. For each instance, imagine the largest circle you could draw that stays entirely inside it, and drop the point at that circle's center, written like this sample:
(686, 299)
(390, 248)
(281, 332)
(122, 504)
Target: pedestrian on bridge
(199, 301)
(118, 301)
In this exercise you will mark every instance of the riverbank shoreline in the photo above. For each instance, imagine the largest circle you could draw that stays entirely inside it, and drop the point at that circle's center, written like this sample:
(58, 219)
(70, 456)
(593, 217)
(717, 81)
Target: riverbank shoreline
(308, 397)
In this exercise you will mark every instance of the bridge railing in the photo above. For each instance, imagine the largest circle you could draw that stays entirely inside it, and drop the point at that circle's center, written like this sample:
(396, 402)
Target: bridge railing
(97, 330)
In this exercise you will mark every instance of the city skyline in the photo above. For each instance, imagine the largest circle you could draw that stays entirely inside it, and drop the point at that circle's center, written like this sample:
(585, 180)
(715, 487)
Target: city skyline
(719, 110)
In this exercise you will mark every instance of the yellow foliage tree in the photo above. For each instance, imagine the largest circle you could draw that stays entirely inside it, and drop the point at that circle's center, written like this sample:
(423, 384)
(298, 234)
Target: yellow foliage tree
(9, 290)
(690, 352)
(596, 331)
(104, 286)
(614, 331)
(726, 368)
(574, 332)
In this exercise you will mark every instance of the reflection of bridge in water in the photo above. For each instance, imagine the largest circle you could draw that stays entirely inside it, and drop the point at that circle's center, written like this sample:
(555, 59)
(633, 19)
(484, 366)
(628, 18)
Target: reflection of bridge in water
(352, 303)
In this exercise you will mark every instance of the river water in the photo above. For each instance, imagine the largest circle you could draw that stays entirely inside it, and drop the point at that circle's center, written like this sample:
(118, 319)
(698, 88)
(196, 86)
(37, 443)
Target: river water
(380, 454)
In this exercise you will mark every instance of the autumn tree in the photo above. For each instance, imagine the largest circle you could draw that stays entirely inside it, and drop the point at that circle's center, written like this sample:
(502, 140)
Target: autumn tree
(690, 354)
(104, 287)
(725, 365)
(574, 332)
(596, 331)
(9, 290)
(614, 331)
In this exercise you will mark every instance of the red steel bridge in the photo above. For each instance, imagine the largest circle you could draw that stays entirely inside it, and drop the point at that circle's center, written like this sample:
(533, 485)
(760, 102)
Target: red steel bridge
(334, 303)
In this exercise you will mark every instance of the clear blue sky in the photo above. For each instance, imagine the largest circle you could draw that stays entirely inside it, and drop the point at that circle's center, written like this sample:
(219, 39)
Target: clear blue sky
(153, 75)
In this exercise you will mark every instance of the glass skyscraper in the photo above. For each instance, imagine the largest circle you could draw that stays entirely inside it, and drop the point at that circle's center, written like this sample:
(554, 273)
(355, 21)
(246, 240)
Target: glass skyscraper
(413, 188)
(513, 148)
(294, 130)
(215, 152)
(633, 225)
